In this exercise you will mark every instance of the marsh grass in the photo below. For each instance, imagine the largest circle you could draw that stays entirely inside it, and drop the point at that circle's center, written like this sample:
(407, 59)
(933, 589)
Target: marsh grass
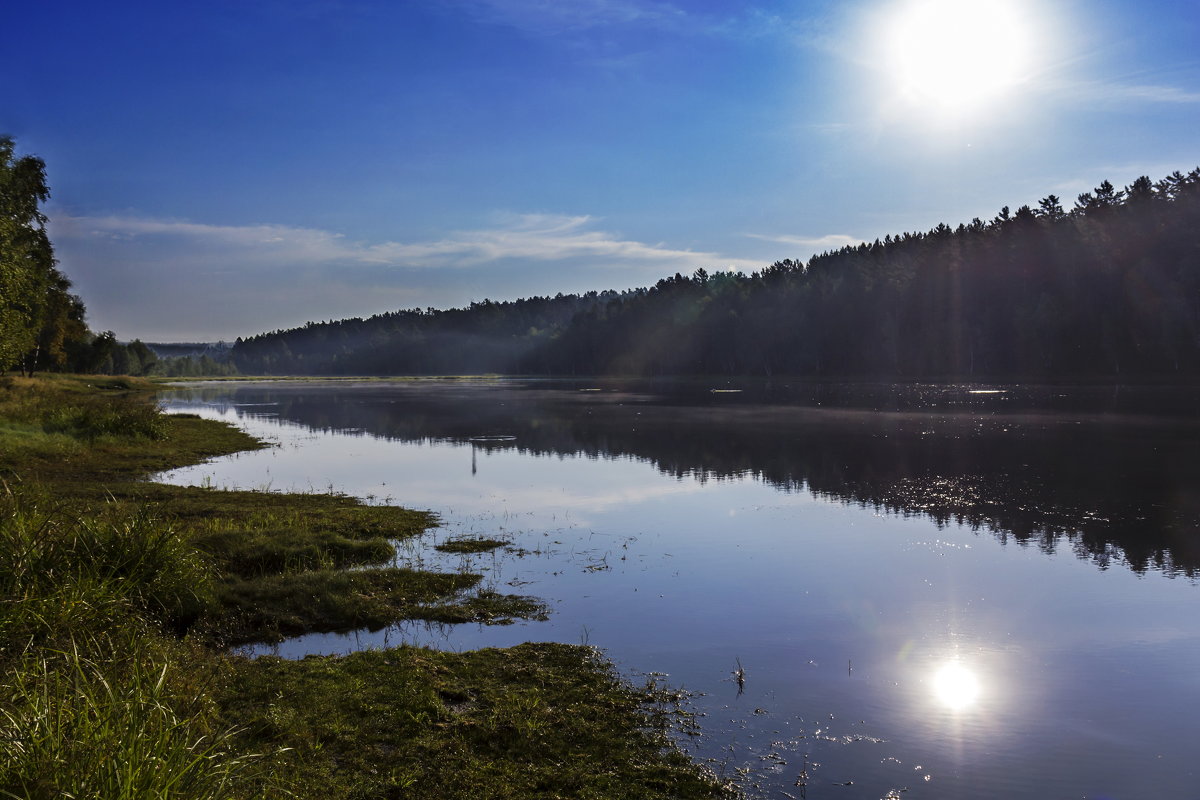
(273, 607)
(96, 698)
(73, 726)
(468, 545)
(261, 533)
(249, 552)
(115, 594)
(82, 410)
(536, 720)
(90, 422)
(66, 568)
(84, 436)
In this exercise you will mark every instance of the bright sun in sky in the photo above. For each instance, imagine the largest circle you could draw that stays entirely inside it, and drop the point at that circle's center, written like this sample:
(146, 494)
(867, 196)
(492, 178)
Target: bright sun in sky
(958, 55)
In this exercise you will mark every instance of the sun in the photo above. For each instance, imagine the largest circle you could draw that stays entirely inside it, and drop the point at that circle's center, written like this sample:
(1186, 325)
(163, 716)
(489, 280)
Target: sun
(958, 55)
(956, 686)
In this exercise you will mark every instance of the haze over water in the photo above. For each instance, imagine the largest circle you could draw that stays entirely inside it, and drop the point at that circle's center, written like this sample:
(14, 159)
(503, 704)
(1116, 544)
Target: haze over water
(934, 592)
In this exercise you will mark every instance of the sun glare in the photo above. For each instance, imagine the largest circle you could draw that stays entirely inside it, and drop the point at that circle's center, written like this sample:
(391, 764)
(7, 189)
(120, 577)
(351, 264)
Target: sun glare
(956, 687)
(956, 55)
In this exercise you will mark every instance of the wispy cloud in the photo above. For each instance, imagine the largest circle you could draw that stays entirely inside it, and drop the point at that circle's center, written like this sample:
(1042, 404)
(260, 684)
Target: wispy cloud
(1123, 94)
(1154, 94)
(558, 17)
(171, 279)
(554, 17)
(832, 241)
(538, 237)
(831, 128)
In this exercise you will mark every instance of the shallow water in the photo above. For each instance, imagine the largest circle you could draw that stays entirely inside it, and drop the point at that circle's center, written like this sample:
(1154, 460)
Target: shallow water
(843, 544)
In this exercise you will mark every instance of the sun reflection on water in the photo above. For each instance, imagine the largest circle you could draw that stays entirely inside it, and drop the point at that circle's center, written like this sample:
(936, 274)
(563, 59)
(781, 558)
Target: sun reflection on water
(956, 687)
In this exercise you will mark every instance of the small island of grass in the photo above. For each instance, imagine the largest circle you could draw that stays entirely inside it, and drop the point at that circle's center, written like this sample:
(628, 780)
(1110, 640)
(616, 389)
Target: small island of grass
(469, 546)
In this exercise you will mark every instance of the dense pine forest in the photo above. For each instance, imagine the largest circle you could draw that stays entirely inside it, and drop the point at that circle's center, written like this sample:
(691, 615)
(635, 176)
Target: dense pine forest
(1110, 287)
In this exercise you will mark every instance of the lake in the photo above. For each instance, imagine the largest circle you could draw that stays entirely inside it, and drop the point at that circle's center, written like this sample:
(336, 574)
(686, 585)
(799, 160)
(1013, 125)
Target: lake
(934, 591)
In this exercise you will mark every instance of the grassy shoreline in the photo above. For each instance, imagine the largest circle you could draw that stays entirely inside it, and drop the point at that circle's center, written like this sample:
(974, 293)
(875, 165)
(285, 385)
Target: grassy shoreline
(121, 597)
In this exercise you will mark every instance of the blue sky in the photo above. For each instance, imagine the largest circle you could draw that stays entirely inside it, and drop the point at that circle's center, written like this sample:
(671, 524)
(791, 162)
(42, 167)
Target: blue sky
(223, 168)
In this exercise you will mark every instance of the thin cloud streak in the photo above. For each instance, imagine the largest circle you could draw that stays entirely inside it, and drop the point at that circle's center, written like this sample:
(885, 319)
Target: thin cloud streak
(548, 17)
(833, 241)
(1124, 93)
(556, 18)
(539, 237)
(1156, 94)
(169, 280)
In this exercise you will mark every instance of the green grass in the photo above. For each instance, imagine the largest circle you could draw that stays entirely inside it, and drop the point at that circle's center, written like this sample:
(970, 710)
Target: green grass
(250, 534)
(532, 721)
(289, 604)
(67, 568)
(98, 698)
(487, 376)
(118, 594)
(84, 435)
(128, 728)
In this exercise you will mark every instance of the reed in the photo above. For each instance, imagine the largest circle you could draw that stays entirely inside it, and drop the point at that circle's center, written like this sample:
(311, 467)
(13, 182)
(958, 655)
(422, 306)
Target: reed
(96, 699)
(74, 725)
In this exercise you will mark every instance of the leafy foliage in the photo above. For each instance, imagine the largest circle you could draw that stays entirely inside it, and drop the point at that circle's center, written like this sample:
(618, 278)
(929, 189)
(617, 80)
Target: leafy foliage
(42, 324)
(26, 258)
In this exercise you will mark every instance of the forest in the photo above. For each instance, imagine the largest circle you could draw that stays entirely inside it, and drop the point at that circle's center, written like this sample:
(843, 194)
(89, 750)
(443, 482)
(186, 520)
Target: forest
(1109, 288)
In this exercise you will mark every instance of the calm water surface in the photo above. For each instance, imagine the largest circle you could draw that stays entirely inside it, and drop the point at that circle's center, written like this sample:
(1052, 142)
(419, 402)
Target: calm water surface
(935, 592)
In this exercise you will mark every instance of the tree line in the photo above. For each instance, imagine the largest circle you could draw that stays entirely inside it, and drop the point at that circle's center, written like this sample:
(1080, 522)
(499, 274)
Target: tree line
(1107, 288)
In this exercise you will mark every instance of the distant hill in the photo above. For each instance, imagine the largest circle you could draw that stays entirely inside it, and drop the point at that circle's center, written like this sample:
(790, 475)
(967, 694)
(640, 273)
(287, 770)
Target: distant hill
(1107, 289)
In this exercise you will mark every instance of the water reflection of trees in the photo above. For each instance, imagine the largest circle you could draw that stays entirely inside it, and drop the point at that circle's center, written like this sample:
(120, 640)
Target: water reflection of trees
(1110, 489)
